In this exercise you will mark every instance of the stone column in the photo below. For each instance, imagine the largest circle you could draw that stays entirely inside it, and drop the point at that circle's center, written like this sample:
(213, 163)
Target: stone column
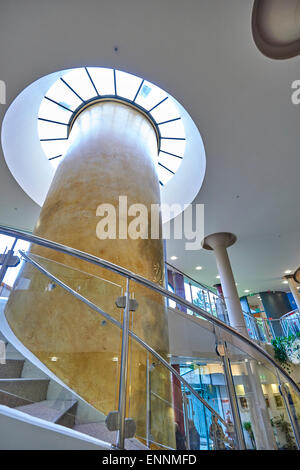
(112, 153)
(219, 242)
(293, 287)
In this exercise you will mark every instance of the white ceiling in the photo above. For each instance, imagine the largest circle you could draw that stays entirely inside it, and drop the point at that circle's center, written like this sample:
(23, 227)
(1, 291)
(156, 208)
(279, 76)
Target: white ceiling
(201, 52)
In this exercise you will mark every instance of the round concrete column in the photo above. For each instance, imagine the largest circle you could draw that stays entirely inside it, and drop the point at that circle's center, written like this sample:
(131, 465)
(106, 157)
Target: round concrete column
(219, 242)
(293, 287)
(112, 153)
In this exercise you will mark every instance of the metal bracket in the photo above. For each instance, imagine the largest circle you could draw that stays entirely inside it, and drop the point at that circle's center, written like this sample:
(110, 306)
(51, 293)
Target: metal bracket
(220, 349)
(121, 303)
(9, 259)
(113, 424)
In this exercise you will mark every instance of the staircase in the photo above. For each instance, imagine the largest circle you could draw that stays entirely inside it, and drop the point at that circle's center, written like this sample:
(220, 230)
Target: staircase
(24, 387)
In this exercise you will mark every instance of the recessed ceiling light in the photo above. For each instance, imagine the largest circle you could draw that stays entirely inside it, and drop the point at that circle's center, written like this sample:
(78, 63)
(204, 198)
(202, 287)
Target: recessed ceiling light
(285, 282)
(288, 271)
(53, 358)
(218, 277)
(198, 268)
(246, 290)
(173, 258)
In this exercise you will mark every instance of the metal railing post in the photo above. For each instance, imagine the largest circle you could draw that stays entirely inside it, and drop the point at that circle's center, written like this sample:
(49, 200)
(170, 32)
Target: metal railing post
(186, 420)
(211, 310)
(232, 397)
(148, 395)
(4, 267)
(123, 372)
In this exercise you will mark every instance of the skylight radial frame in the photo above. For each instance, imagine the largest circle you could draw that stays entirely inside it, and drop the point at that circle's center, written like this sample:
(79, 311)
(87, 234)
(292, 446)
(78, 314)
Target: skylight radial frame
(132, 102)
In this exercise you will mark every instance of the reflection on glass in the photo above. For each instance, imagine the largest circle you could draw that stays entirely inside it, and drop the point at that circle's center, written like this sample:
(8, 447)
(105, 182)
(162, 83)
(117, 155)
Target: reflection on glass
(150, 95)
(60, 93)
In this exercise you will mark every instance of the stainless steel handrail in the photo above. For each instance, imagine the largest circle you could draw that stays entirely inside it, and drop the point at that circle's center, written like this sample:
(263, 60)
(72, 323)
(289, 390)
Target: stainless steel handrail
(203, 286)
(297, 310)
(119, 325)
(145, 282)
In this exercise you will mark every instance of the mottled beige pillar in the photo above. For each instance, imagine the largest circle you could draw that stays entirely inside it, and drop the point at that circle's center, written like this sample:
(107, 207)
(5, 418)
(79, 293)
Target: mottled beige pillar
(112, 152)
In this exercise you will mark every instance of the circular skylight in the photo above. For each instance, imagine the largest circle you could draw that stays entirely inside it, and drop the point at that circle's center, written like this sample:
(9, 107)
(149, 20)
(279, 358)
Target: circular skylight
(78, 87)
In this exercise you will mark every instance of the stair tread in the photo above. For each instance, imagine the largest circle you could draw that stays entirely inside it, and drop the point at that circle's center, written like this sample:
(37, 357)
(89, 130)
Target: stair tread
(49, 410)
(100, 431)
(11, 369)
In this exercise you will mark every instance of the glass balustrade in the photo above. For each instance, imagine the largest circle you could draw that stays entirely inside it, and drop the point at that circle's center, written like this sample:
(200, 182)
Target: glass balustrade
(191, 382)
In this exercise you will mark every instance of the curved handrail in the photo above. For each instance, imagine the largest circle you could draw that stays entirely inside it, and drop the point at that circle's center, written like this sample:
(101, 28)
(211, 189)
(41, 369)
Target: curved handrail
(119, 325)
(204, 286)
(297, 310)
(145, 282)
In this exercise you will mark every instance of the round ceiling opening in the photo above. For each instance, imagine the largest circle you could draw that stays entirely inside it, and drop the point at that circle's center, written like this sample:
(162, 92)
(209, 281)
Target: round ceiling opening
(42, 114)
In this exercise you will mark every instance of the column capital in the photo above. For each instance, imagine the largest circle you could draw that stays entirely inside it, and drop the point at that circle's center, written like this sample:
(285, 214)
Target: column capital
(225, 239)
(296, 275)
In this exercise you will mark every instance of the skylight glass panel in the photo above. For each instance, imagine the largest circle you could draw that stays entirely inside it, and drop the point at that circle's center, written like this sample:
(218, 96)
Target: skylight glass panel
(127, 84)
(173, 146)
(60, 93)
(49, 130)
(52, 111)
(165, 111)
(84, 84)
(55, 147)
(164, 175)
(170, 162)
(172, 129)
(103, 79)
(79, 80)
(150, 95)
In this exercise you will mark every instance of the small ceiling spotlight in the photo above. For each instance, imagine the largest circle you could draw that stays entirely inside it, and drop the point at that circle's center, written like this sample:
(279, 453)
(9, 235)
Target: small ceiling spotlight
(247, 290)
(285, 282)
(218, 277)
(198, 268)
(54, 359)
(288, 271)
(173, 258)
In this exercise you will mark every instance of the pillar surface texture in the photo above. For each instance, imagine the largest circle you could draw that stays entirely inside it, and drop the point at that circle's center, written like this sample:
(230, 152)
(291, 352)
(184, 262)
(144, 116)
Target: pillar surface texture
(112, 153)
(219, 242)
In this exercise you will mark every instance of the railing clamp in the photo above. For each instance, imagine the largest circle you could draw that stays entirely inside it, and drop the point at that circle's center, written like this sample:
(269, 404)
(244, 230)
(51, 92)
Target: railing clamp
(220, 349)
(112, 422)
(121, 303)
